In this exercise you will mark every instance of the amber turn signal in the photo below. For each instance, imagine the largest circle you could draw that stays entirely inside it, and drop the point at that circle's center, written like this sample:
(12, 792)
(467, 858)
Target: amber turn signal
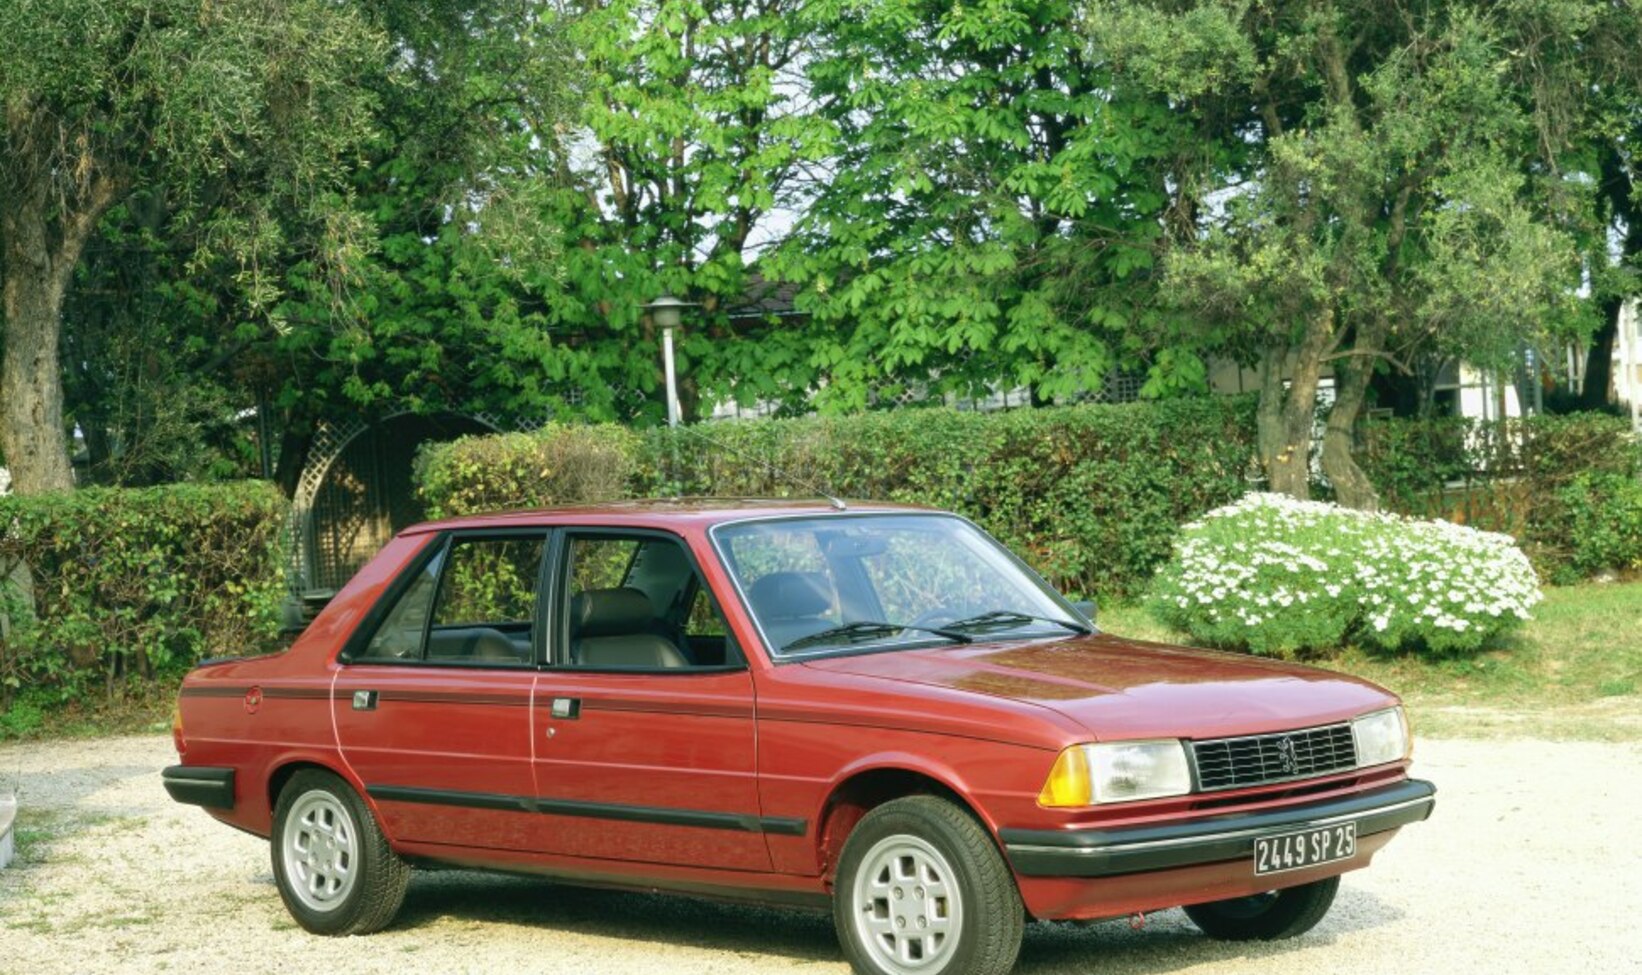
(1068, 783)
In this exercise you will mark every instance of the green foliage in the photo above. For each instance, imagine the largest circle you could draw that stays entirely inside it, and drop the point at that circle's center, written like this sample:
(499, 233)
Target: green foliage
(1283, 577)
(559, 464)
(1090, 495)
(1604, 522)
(991, 215)
(102, 584)
(1513, 477)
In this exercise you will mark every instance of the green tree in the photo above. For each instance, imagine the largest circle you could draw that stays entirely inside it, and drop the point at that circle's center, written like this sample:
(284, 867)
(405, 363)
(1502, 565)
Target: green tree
(239, 114)
(1393, 200)
(991, 214)
(166, 352)
(695, 130)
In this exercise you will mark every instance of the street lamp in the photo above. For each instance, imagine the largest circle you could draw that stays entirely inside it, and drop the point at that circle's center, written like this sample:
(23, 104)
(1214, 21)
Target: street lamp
(667, 312)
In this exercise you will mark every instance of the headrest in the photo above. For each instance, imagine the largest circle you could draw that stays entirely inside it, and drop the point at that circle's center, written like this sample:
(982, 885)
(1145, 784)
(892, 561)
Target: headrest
(610, 612)
(786, 595)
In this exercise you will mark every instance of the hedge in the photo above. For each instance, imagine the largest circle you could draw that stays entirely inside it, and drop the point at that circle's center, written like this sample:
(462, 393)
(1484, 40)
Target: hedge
(1511, 477)
(1604, 524)
(102, 584)
(554, 465)
(1091, 495)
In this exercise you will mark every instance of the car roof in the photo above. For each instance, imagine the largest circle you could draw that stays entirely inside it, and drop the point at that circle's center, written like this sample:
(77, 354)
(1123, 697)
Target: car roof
(660, 512)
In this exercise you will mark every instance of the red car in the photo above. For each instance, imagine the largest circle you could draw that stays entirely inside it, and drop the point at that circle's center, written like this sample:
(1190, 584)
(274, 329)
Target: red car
(876, 709)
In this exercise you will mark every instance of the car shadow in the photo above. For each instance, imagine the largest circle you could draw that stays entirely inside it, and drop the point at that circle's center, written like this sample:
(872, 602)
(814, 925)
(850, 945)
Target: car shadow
(631, 916)
(1166, 942)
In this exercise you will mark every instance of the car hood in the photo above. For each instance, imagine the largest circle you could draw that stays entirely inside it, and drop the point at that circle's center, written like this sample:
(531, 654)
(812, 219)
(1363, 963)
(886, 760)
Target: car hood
(1120, 688)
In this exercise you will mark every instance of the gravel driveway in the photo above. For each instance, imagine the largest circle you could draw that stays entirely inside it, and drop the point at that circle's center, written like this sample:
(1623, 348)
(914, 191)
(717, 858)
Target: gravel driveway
(1528, 865)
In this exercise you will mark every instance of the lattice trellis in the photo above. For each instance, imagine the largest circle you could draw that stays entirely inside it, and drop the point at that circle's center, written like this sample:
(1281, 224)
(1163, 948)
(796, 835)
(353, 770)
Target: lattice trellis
(358, 513)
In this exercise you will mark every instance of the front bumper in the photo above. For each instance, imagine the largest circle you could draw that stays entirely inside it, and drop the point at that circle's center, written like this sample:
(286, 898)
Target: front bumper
(200, 785)
(1137, 849)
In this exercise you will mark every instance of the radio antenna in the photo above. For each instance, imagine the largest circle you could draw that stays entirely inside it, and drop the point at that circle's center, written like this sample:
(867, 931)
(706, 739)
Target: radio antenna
(768, 467)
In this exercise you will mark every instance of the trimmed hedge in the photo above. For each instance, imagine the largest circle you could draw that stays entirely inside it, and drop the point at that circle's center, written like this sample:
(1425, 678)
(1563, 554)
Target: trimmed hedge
(554, 465)
(1091, 495)
(1511, 477)
(1604, 523)
(140, 582)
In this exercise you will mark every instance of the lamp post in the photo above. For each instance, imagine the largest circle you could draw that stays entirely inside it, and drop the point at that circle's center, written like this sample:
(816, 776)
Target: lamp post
(667, 311)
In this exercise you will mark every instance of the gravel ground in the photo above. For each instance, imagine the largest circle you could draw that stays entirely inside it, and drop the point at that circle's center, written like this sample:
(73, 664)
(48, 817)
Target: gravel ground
(1528, 865)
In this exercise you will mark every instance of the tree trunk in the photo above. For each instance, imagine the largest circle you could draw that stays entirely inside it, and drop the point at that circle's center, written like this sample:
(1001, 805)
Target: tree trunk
(31, 428)
(45, 220)
(1352, 488)
(1596, 392)
(1286, 417)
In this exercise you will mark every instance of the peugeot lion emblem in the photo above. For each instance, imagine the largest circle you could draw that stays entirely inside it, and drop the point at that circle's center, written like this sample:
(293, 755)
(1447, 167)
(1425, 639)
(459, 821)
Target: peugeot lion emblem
(1285, 756)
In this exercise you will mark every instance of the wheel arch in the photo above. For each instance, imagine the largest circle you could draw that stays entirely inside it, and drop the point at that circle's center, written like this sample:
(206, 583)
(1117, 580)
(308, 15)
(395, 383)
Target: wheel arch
(281, 772)
(868, 784)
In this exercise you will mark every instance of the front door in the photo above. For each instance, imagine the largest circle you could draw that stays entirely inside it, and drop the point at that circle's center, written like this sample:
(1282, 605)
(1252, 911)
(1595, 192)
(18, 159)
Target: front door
(645, 735)
(433, 707)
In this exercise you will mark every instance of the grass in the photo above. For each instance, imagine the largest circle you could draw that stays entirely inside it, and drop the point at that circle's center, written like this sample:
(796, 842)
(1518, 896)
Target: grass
(134, 709)
(1574, 671)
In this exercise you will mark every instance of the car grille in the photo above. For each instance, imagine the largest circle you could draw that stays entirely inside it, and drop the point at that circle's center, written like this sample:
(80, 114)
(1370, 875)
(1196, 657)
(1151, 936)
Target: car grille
(1231, 763)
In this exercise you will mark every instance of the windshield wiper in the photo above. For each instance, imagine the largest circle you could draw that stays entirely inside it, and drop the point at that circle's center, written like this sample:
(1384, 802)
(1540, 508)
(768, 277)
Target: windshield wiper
(1010, 617)
(862, 628)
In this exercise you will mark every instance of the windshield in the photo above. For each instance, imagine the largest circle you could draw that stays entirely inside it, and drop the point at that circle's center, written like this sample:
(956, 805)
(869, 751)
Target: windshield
(877, 582)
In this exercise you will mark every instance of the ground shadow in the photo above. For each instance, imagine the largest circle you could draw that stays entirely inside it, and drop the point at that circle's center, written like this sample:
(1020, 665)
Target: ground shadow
(1167, 942)
(630, 916)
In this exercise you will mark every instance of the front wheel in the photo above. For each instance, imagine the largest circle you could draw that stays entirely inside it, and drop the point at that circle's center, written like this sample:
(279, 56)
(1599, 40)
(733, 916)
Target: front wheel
(923, 890)
(1271, 916)
(334, 867)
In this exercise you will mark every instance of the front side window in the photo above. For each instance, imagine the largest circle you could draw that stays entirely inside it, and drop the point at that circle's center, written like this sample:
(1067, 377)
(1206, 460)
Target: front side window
(472, 602)
(847, 583)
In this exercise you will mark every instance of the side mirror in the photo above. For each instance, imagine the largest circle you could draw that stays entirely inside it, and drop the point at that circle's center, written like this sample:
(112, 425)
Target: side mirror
(1086, 608)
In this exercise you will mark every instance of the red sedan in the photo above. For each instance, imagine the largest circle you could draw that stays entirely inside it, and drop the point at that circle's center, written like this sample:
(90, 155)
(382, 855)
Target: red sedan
(875, 709)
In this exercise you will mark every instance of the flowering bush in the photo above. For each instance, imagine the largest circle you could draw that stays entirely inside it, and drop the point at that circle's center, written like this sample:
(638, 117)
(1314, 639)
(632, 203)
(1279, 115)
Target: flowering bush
(1279, 576)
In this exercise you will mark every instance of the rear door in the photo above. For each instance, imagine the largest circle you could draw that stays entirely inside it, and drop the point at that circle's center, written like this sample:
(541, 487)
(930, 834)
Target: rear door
(644, 721)
(432, 704)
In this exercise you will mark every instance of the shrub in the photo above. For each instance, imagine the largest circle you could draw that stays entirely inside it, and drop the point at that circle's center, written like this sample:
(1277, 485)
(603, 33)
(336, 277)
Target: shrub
(557, 464)
(1509, 476)
(105, 583)
(1089, 495)
(1604, 523)
(1278, 577)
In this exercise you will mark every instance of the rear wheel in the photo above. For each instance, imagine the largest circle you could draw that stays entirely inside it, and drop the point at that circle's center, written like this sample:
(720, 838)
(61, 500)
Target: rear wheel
(334, 867)
(922, 890)
(1271, 916)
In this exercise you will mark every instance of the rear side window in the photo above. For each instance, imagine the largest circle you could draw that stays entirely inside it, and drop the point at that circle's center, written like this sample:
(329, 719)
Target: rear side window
(475, 602)
(636, 602)
(400, 635)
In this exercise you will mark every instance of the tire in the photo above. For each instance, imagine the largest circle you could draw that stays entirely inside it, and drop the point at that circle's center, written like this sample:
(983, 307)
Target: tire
(959, 912)
(1271, 916)
(335, 870)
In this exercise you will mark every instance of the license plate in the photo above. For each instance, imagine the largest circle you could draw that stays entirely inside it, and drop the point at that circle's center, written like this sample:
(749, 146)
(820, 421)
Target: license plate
(1306, 848)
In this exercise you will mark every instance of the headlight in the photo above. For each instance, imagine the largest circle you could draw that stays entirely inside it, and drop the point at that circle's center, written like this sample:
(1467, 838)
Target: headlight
(1380, 737)
(1117, 771)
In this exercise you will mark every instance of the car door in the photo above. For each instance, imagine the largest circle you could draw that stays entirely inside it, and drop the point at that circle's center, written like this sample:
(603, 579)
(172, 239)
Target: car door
(645, 735)
(432, 702)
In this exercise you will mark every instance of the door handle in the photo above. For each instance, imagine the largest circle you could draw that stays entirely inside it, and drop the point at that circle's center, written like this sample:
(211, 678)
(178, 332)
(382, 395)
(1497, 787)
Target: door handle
(364, 700)
(566, 708)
